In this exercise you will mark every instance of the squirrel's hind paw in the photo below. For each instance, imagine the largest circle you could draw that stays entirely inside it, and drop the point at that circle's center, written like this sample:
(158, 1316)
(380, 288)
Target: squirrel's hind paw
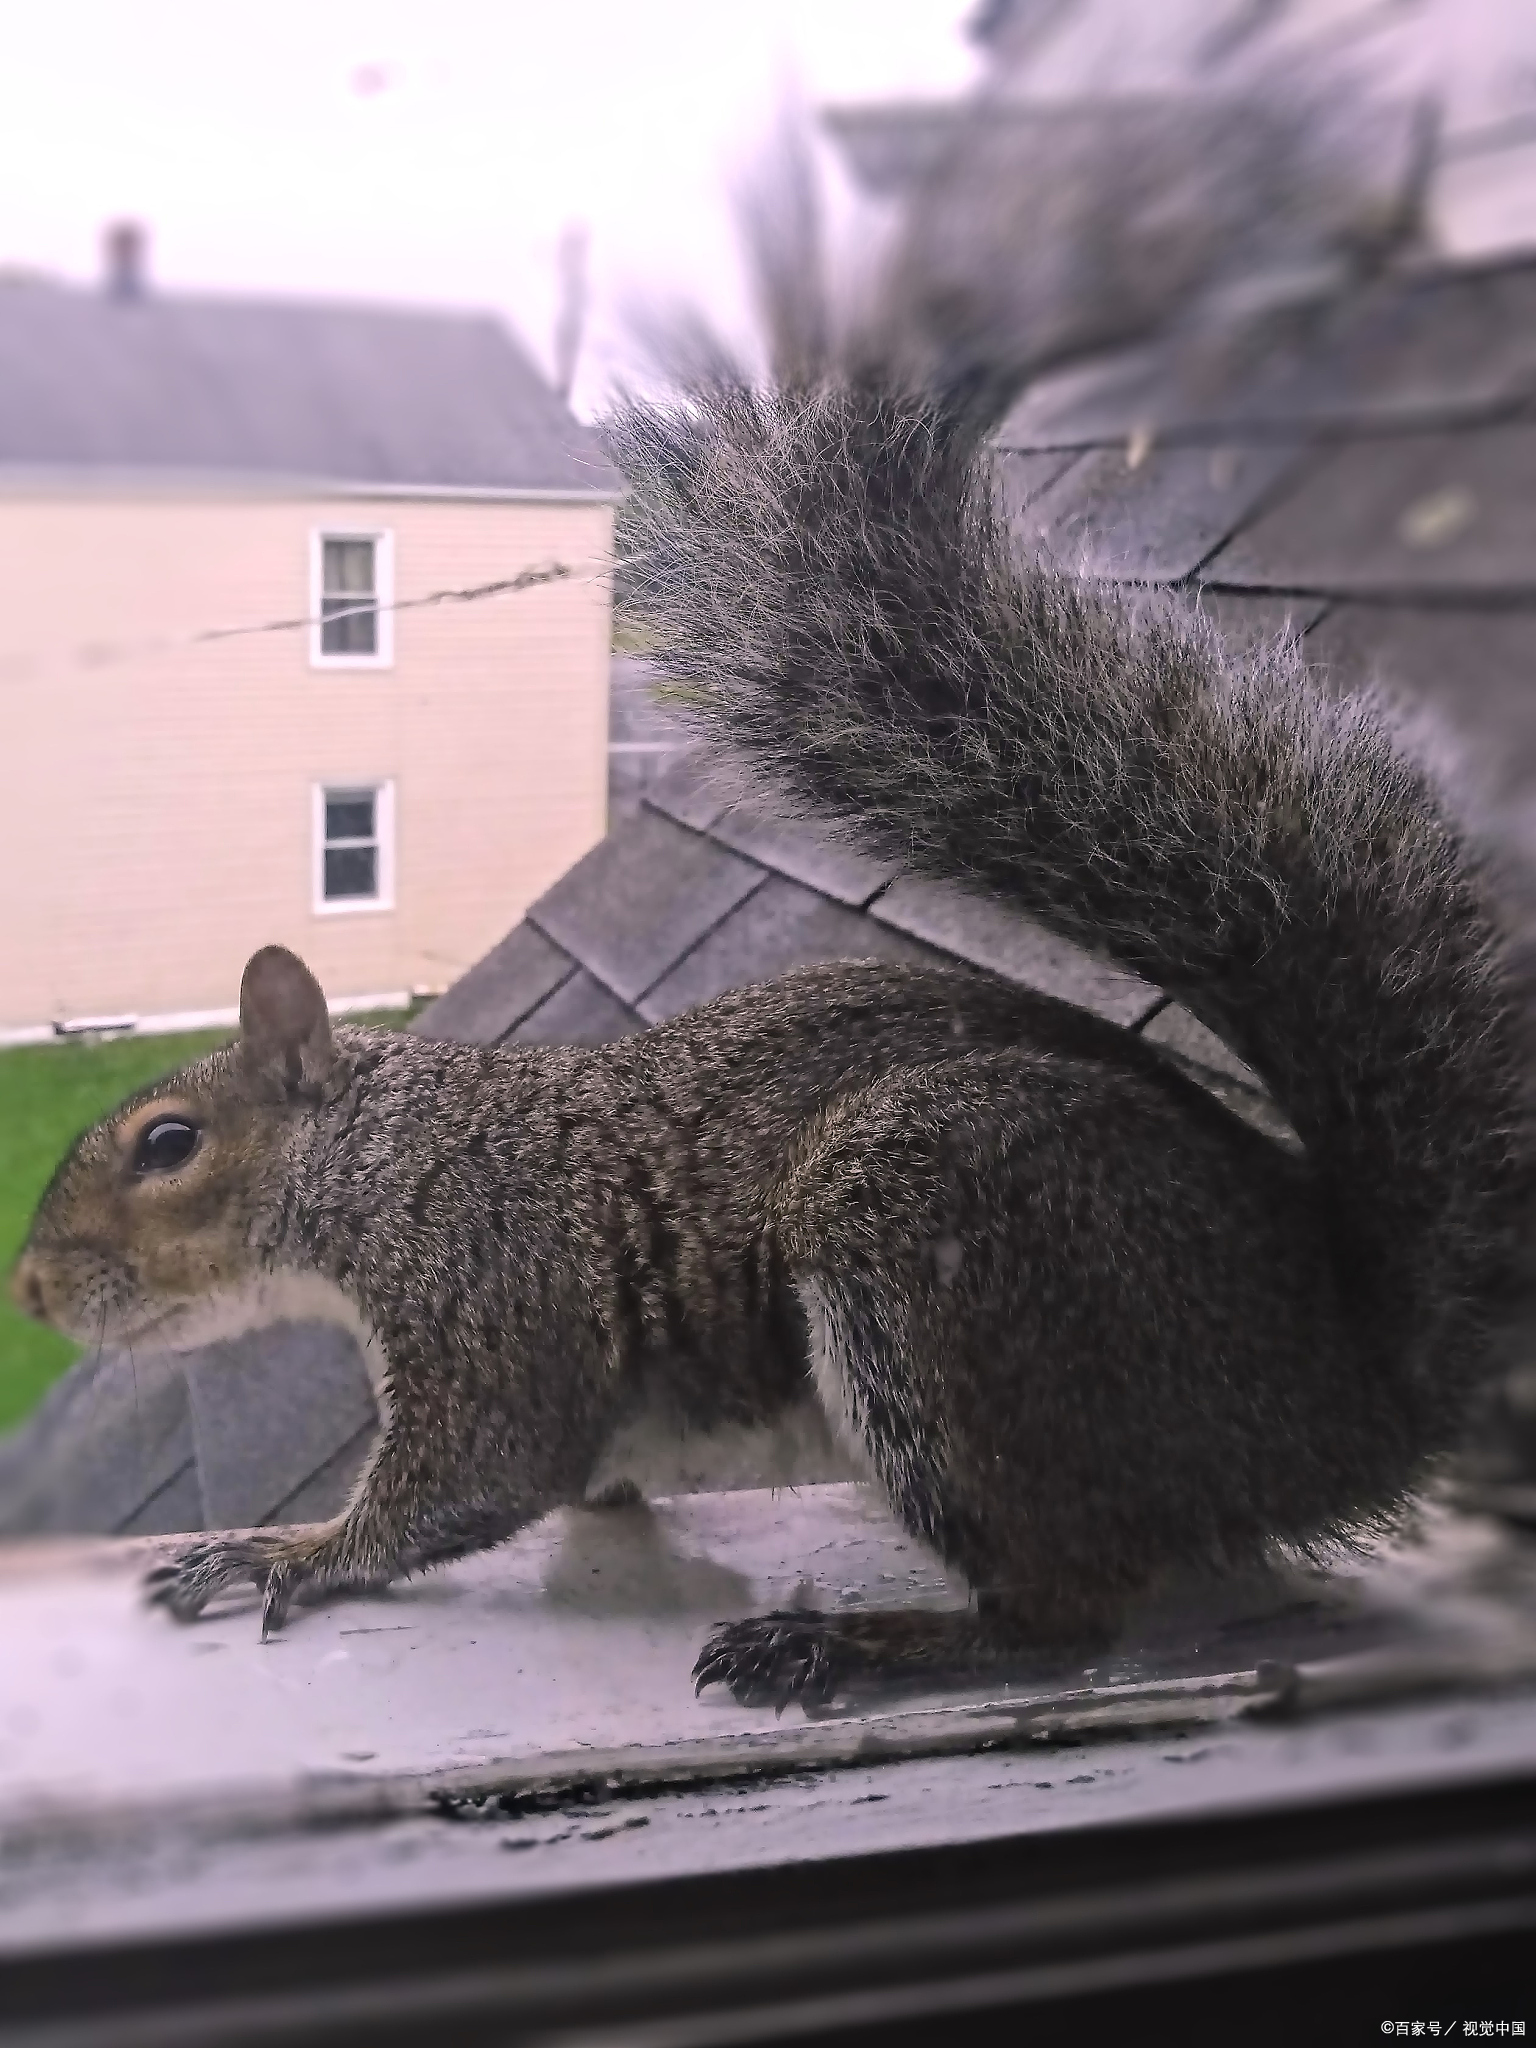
(275, 1565)
(770, 1660)
(205, 1570)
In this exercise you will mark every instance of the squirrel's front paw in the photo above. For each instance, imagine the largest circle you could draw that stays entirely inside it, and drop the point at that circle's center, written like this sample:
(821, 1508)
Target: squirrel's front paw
(273, 1564)
(770, 1660)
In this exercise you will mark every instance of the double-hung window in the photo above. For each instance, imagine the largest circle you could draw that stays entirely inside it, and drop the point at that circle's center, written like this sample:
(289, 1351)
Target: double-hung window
(354, 831)
(352, 576)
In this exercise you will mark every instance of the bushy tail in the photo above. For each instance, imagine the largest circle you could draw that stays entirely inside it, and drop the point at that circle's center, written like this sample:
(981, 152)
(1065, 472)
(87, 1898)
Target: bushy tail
(825, 577)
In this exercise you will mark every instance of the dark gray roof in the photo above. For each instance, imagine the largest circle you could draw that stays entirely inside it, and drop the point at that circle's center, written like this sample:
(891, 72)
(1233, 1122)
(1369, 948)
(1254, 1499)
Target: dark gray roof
(333, 393)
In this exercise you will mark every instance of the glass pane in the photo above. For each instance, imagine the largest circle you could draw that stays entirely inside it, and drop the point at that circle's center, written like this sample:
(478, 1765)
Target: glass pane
(351, 871)
(349, 814)
(348, 568)
(346, 630)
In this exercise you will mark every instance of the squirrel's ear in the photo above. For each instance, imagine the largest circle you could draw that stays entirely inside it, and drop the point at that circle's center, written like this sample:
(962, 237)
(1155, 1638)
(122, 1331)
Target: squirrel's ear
(285, 1028)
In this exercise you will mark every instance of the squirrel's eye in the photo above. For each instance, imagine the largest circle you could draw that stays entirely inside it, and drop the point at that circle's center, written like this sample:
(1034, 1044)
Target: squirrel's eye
(165, 1144)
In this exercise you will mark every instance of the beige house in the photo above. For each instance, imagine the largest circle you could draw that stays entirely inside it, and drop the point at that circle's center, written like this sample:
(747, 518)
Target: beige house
(262, 673)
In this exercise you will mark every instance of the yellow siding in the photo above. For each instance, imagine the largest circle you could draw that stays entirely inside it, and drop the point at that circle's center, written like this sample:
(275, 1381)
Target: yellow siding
(156, 823)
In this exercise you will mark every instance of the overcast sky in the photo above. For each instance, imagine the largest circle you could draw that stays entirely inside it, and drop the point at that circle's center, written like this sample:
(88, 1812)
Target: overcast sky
(422, 149)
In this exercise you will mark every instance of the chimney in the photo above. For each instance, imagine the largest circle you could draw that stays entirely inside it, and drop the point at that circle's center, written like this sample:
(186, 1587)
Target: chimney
(124, 249)
(571, 311)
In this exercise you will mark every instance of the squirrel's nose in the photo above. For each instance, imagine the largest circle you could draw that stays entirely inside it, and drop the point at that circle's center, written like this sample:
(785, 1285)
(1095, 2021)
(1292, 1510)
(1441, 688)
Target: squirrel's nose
(26, 1288)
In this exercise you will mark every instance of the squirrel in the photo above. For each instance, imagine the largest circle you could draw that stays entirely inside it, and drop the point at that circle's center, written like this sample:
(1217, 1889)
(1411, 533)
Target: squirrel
(1083, 1325)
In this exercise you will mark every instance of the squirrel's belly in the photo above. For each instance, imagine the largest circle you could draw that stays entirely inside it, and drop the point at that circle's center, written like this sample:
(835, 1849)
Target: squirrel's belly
(660, 1454)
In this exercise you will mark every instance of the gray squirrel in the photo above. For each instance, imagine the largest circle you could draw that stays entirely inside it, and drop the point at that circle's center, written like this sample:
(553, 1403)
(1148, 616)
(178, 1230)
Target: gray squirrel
(1082, 1324)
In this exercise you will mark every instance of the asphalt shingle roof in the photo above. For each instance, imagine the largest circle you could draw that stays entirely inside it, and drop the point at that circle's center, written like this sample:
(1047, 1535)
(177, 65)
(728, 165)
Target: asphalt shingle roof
(331, 393)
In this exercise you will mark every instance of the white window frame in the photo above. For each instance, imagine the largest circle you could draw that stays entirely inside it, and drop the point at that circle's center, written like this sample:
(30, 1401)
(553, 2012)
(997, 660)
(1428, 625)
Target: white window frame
(384, 838)
(383, 595)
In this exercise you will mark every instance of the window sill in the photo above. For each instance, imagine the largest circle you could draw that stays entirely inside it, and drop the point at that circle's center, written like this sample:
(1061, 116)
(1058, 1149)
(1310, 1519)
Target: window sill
(158, 1777)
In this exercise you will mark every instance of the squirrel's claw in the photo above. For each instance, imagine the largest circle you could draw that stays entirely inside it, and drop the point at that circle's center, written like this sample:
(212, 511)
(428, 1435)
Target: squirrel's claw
(275, 1601)
(205, 1570)
(770, 1660)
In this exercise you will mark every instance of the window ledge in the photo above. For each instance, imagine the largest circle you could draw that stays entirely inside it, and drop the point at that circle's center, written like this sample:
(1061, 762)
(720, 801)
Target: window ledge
(552, 1675)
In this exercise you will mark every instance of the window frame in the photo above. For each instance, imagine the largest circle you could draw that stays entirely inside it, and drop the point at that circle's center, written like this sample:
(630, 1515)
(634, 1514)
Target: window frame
(382, 789)
(383, 541)
(1409, 1900)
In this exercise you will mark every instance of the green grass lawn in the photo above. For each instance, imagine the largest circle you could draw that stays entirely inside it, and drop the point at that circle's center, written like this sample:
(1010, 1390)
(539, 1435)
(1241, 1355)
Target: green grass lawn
(48, 1095)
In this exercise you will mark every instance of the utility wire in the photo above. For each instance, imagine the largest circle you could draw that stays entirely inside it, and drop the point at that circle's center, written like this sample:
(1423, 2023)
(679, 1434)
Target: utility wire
(88, 656)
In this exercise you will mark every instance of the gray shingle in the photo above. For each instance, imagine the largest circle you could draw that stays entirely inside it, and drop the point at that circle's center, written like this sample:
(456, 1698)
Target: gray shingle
(1477, 669)
(634, 905)
(635, 713)
(222, 1437)
(499, 991)
(779, 926)
(1478, 661)
(1245, 621)
(982, 932)
(1021, 477)
(1455, 342)
(1448, 512)
(176, 1508)
(580, 1012)
(1088, 404)
(692, 793)
(326, 1491)
(807, 851)
(268, 1410)
(1116, 398)
(1176, 1029)
(632, 775)
(1217, 1068)
(333, 392)
(1160, 519)
(109, 1437)
(891, 148)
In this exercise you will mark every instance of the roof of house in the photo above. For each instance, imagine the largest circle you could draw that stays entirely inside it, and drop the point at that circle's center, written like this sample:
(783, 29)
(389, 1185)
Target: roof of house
(334, 393)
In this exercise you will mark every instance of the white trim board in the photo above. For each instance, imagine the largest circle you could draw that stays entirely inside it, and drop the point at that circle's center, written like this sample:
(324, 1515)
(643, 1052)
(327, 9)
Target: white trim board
(164, 1023)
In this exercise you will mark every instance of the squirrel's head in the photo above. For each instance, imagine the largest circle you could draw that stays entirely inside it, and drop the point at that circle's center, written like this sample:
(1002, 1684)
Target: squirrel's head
(157, 1210)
